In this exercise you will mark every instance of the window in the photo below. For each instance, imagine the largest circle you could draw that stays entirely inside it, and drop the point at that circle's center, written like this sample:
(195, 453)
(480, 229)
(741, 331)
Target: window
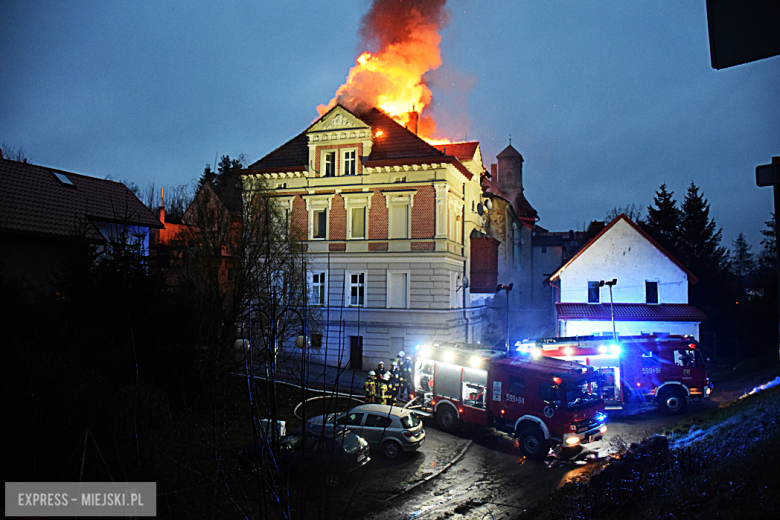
(378, 421)
(350, 167)
(319, 288)
(651, 292)
(357, 289)
(544, 250)
(329, 164)
(316, 341)
(516, 385)
(397, 290)
(350, 419)
(684, 358)
(549, 393)
(320, 223)
(399, 221)
(593, 292)
(357, 222)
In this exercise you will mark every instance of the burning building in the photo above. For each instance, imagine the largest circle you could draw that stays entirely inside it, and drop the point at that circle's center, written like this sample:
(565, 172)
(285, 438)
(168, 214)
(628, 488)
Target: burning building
(386, 218)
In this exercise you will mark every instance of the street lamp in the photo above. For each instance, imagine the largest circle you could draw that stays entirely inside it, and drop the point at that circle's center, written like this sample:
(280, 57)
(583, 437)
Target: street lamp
(506, 288)
(609, 283)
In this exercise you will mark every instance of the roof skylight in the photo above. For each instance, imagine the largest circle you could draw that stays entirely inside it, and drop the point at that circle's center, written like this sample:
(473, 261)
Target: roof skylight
(62, 178)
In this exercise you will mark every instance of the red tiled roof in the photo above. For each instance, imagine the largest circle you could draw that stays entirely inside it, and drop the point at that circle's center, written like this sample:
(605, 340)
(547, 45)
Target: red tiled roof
(461, 151)
(396, 146)
(630, 312)
(33, 200)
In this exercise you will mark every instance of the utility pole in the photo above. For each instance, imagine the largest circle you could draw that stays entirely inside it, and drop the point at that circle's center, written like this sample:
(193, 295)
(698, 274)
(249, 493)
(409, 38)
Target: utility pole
(769, 175)
(506, 288)
(609, 284)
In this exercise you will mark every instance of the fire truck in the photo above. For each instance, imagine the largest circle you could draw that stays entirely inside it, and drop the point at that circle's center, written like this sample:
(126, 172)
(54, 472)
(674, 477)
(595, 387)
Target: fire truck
(545, 402)
(666, 369)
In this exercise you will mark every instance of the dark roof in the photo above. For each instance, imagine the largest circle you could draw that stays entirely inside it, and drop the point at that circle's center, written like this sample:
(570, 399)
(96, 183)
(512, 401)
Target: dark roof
(691, 277)
(294, 154)
(33, 200)
(395, 146)
(510, 151)
(630, 312)
(461, 151)
(396, 141)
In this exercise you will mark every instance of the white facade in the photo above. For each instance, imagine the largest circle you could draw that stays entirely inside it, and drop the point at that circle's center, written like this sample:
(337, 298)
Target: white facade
(646, 275)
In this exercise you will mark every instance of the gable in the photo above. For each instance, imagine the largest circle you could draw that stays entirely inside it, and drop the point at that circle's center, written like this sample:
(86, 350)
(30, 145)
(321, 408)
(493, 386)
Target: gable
(339, 118)
(627, 235)
(622, 248)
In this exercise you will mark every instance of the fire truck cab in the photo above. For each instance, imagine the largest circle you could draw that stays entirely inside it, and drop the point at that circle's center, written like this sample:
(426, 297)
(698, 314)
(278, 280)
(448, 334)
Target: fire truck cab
(666, 369)
(544, 402)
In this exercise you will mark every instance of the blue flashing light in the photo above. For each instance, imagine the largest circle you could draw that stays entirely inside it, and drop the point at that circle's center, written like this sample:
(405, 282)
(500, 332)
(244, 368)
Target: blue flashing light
(601, 417)
(614, 349)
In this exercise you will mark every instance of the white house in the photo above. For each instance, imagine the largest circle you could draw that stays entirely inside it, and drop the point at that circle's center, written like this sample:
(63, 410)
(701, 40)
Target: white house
(650, 295)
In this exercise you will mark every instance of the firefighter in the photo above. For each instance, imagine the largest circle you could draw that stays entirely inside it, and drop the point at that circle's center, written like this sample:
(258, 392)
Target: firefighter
(380, 369)
(370, 387)
(381, 388)
(400, 358)
(406, 377)
(389, 389)
(396, 378)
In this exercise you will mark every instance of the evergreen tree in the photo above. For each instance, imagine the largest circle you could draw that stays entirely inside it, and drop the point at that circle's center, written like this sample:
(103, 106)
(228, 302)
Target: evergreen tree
(743, 261)
(226, 175)
(208, 176)
(663, 220)
(698, 240)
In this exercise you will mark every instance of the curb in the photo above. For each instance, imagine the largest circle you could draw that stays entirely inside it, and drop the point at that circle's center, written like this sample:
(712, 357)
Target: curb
(429, 477)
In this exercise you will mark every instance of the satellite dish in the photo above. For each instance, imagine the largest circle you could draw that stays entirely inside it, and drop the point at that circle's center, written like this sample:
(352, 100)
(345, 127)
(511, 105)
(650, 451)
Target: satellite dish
(480, 209)
(489, 204)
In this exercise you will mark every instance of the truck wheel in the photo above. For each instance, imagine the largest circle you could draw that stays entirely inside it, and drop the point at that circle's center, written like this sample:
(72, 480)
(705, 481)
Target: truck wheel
(448, 419)
(673, 401)
(532, 443)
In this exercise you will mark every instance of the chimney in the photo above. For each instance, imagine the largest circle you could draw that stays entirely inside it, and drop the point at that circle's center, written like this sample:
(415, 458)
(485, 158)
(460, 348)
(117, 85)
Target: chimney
(414, 117)
(161, 213)
(494, 173)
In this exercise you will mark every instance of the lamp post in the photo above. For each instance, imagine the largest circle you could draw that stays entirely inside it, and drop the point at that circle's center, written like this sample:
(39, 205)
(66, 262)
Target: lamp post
(610, 283)
(506, 288)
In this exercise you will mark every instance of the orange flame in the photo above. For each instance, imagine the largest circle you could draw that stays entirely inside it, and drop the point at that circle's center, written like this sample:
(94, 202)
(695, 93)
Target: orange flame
(392, 78)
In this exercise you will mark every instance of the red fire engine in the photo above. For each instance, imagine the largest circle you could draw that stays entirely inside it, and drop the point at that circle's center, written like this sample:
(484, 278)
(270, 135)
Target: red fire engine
(667, 369)
(544, 402)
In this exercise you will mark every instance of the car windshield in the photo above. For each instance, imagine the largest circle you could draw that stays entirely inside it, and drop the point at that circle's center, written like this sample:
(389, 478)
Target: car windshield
(583, 394)
(410, 421)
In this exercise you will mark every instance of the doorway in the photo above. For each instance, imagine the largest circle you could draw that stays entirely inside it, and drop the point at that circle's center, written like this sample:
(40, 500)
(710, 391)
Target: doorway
(356, 352)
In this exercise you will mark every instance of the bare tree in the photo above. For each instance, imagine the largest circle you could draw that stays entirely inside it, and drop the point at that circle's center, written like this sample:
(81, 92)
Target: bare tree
(13, 153)
(632, 211)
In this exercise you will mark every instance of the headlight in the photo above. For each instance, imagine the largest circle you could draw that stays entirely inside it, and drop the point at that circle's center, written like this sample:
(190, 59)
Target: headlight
(603, 429)
(571, 441)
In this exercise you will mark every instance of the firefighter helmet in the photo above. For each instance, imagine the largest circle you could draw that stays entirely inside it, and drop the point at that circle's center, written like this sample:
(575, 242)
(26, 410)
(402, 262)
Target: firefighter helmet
(401, 354)
(372, 374)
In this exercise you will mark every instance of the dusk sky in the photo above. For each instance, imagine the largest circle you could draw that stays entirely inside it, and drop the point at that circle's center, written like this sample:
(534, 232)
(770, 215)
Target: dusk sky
(605, 100)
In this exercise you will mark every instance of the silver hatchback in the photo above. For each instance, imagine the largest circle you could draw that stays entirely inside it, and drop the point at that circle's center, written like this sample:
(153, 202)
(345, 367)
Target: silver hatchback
(391, 429)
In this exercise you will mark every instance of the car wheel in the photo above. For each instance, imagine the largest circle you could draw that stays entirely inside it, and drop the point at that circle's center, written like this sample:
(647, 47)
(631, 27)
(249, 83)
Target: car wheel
(448, 419)
(673, 401)
(391, 449)
(332, 479)
(532, 443)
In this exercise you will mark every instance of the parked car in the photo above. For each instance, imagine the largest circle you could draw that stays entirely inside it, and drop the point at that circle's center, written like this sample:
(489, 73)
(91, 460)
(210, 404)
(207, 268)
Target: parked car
(391, 429)
(327, 451)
